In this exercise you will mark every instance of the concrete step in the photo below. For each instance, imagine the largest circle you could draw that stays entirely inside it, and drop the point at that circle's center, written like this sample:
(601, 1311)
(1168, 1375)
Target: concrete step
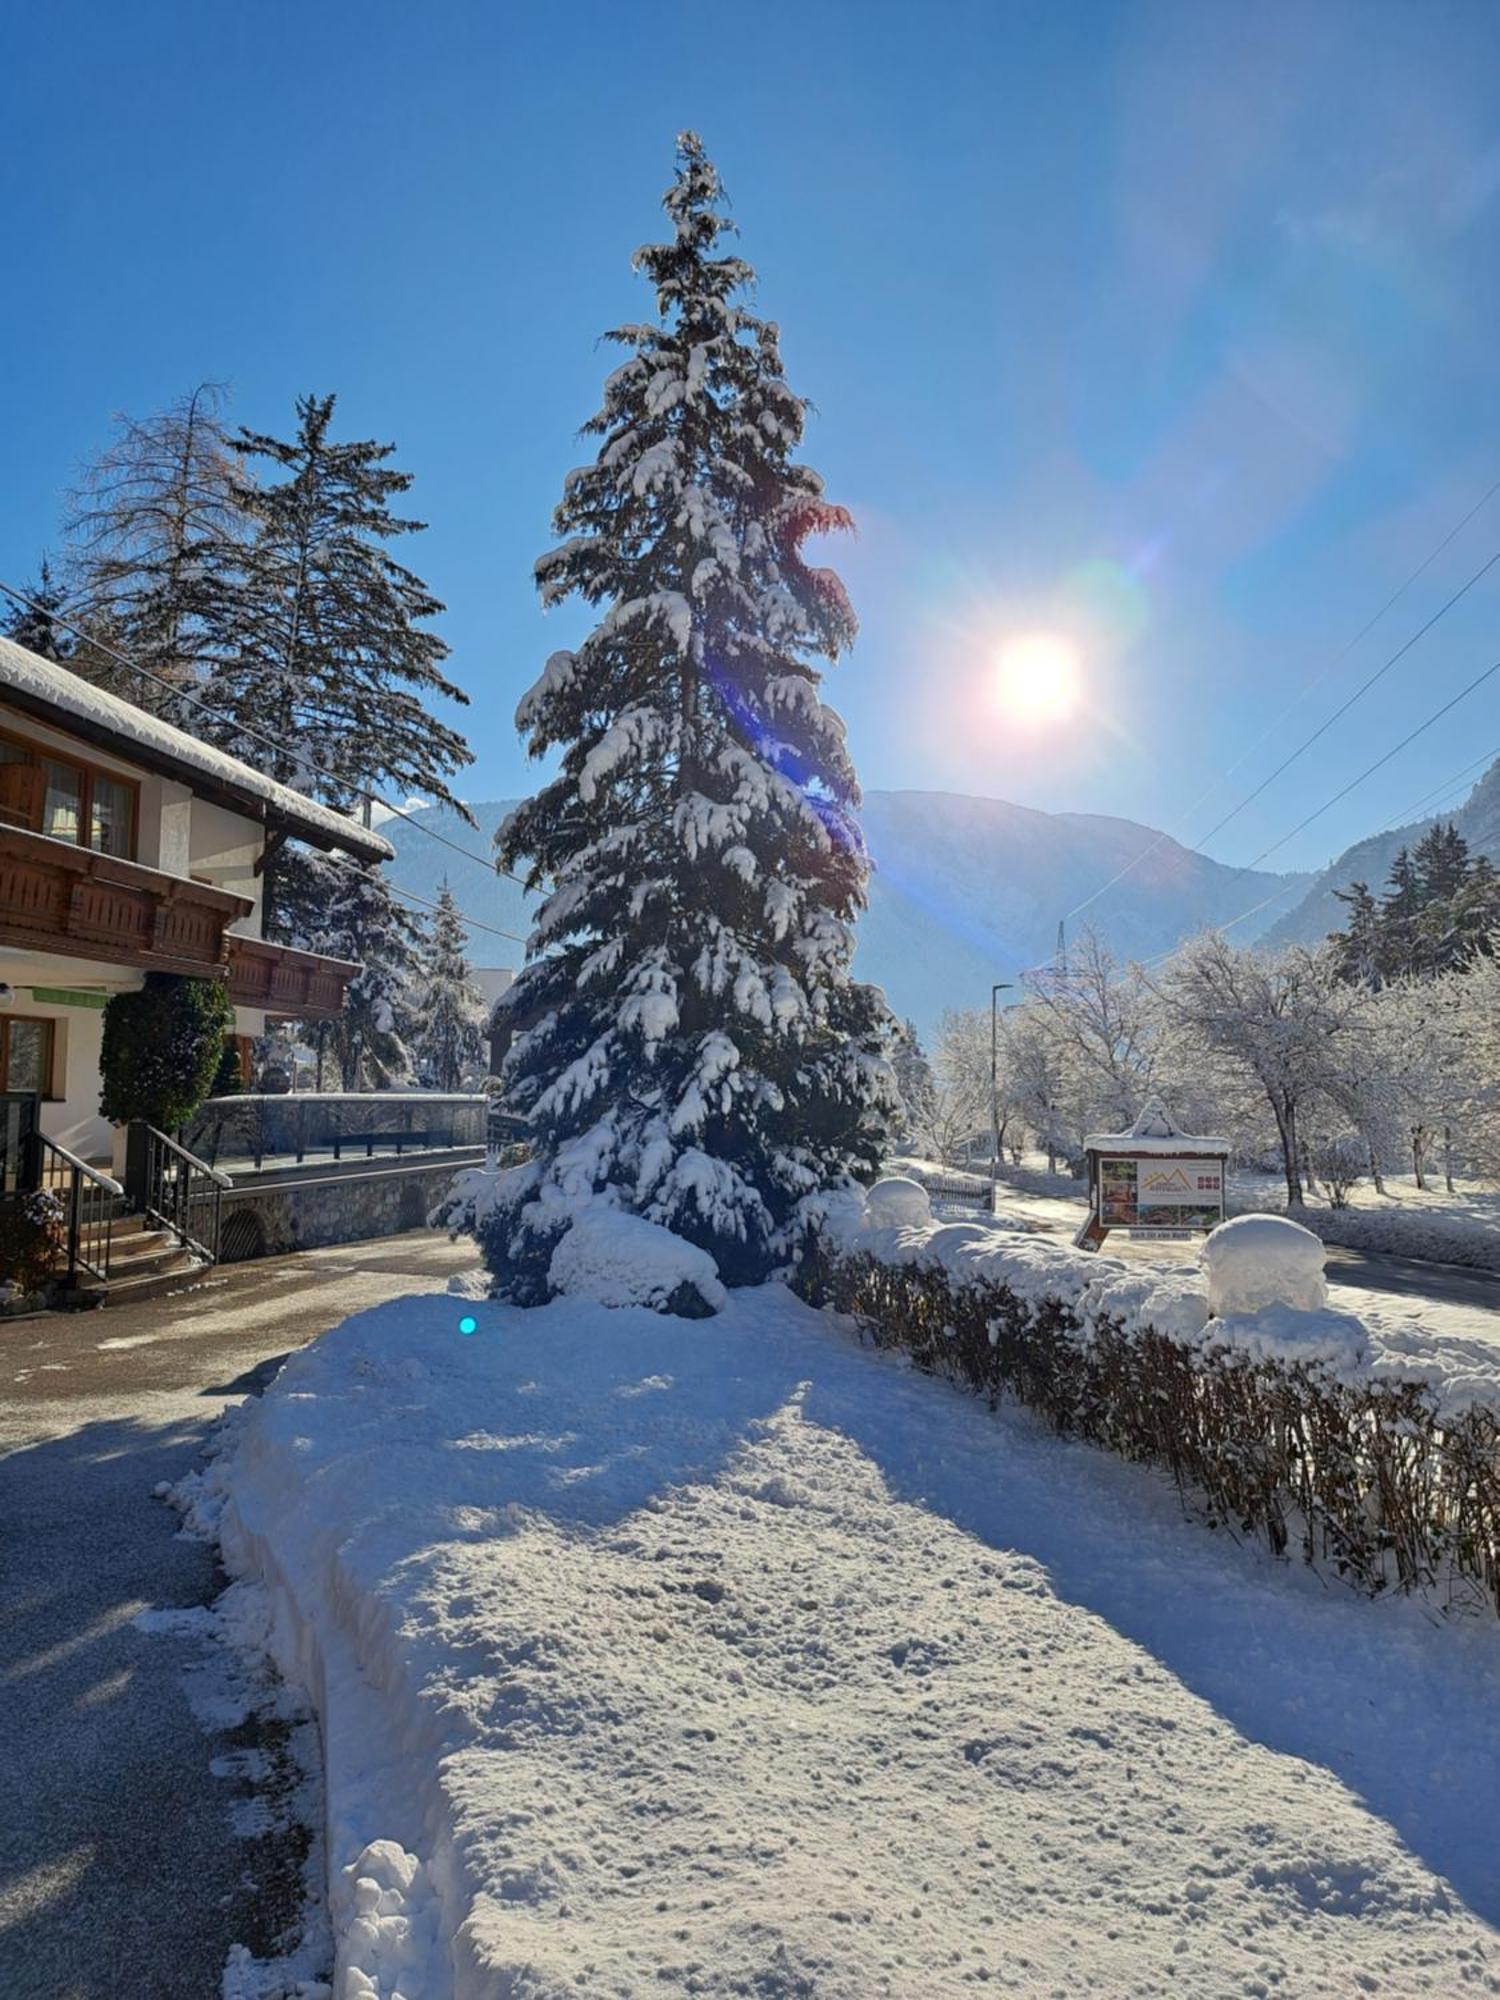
(145, 1251)
(128, 1289)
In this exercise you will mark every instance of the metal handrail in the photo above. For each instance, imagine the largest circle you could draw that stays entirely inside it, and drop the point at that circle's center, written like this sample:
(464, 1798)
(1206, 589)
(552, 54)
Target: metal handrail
(106, 1181)
(180, 1192)
(90, 1198)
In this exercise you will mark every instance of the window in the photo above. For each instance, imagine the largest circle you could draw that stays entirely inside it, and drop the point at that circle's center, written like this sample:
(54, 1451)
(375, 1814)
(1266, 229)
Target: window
(66, 800)
(25, 1054)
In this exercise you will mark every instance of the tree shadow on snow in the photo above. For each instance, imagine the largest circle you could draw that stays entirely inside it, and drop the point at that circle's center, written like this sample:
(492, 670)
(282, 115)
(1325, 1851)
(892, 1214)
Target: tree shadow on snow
(1401, 1706)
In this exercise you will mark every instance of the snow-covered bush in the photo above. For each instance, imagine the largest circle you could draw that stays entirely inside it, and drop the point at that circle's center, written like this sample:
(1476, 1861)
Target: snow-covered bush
(1340, 1161)
(898, 1201)
(1288, 1422)
(622, 1260)
(1256, 1261)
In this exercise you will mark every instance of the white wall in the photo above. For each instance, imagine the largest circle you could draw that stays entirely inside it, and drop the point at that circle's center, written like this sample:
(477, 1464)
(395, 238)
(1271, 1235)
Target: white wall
(224, 848)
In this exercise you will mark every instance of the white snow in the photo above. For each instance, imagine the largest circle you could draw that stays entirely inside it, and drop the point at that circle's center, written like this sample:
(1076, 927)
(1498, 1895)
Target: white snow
(1255, 1261)
(1173, 1299)
(729, 1658)
(898, 1202)
(70, 696)
(622, 1260)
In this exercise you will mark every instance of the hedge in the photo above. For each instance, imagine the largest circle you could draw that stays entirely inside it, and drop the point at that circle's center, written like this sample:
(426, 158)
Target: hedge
(1367, 1478)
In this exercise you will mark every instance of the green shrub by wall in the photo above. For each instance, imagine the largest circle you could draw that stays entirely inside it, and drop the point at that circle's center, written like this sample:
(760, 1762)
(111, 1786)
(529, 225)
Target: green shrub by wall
(162, 1049)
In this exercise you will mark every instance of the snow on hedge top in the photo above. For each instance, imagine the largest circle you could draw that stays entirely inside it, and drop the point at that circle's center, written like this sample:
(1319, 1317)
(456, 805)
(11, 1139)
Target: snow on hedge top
(1289, 1325)
(1155, 1131)
(623, 1260)
(134, 733)
(1257, 1261)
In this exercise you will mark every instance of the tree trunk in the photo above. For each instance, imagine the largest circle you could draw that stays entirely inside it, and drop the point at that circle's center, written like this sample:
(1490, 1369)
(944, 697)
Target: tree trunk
(1376, 1178)
(1286, 1128)
(1448, 1159)
(1418, 1150)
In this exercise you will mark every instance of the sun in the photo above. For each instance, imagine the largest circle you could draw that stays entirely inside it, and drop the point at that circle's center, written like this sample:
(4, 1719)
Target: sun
(1038, 678)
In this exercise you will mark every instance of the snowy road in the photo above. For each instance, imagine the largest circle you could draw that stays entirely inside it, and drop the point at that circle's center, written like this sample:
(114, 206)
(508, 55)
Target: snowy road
(728, 1658)
(120, 1876)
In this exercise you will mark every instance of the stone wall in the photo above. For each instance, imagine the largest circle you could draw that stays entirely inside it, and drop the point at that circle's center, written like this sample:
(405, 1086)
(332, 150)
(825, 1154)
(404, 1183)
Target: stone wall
(265, 1219)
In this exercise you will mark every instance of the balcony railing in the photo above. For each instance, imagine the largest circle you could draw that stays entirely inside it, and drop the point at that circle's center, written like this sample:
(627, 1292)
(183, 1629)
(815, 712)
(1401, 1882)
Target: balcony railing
(56, 897)
(67, 900)
(283, 981)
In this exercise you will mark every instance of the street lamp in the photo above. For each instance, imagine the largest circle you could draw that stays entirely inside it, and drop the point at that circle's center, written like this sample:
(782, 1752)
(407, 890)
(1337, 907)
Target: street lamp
(1000, 986)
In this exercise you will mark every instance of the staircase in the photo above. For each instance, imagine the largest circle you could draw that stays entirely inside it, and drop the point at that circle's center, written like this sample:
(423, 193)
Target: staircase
(144, 1259)
(117, 1248)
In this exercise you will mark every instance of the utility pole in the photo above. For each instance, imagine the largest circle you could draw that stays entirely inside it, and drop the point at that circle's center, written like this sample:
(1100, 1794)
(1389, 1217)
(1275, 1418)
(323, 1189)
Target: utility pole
(1000, 986)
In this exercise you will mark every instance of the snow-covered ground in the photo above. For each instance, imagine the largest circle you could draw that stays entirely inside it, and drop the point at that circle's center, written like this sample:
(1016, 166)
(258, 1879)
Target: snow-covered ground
(726, 1657)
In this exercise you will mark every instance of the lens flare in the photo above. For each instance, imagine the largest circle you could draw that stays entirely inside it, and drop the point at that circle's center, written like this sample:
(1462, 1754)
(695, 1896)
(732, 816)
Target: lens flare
(1038, 678)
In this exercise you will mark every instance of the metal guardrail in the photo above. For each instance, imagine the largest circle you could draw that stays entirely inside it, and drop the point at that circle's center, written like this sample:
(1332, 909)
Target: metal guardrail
(176, 1190)
(87, 1199)
(255, 1128)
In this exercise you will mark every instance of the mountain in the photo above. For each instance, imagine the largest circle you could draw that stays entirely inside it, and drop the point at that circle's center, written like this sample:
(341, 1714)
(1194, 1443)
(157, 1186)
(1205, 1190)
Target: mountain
(965, 891)
(1369, 861)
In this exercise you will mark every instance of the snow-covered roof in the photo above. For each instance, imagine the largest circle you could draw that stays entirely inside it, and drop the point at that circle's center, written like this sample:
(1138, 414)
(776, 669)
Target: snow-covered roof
(52, 694)
(1155, 1131)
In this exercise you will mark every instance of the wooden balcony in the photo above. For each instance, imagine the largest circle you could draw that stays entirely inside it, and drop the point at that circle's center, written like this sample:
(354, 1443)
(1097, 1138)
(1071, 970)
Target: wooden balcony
(70, 902)
(55, 897)
(299, 984)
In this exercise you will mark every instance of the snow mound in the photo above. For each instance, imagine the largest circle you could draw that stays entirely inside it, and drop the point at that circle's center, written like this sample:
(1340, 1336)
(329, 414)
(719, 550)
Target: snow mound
(1256, 1261)
(898, 1202)
(622, 1260)
(765, 1665)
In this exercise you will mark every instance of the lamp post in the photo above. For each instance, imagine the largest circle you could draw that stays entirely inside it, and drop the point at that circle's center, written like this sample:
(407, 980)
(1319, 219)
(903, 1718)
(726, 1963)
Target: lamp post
(1000, 986)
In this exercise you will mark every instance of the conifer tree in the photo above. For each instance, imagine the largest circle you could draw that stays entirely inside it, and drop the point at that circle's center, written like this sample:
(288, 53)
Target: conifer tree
(323, 636)
(361, 920)
(915, 1084)
(34, 625)
(448, 1007)
(690, 1045)
(152, 528)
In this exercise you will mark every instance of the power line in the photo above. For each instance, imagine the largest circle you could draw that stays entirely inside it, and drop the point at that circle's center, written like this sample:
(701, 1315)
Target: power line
(257, 735)
(1368, 772)
(406, 895)
(410, 896)
(1162, 838)
(1370, 769)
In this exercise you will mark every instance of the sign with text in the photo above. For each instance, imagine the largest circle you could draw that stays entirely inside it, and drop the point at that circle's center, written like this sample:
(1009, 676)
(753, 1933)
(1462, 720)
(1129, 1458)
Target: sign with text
(1155, 1193)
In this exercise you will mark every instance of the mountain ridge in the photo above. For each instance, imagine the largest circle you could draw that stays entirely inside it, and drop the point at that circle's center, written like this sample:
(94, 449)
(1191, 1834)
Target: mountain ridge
(965, 890)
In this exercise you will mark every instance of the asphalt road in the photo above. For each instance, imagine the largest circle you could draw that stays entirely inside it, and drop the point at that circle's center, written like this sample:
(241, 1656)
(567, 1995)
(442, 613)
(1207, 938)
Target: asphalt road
(121, 1874)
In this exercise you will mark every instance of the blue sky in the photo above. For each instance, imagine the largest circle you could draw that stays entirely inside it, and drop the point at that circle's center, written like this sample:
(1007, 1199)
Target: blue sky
(1168, 327)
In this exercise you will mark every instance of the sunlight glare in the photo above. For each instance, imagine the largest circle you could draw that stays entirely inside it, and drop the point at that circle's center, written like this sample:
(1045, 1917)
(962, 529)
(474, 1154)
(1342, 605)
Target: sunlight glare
(1038, 678)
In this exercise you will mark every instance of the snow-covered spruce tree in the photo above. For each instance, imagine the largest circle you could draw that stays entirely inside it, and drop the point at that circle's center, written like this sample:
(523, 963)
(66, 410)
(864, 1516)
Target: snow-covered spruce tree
(360, 919)
(689, 1043)
(447, 1007)
(34, 625)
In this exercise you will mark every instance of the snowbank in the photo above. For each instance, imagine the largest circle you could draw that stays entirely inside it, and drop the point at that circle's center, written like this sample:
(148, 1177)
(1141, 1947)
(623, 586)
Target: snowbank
(623, 1260)
(734, 1658)
(1255, 1261)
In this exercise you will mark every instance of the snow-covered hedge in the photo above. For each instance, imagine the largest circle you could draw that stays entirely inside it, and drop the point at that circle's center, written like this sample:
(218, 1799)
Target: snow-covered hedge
(1391, 1232)
(1296, 1424)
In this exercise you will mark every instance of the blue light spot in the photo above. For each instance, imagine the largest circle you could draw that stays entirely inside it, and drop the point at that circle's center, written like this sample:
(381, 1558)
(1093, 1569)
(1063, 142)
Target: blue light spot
(468, 1324)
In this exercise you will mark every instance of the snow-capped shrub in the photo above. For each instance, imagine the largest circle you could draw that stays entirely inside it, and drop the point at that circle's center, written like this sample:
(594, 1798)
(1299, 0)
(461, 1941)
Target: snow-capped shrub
(31, 1233)
(898, 1200)
(1282, 1423)
(623, 1260)
(1255, 1261)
